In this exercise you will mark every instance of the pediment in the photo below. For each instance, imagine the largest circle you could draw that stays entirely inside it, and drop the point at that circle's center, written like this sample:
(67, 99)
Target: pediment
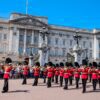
(28, 21)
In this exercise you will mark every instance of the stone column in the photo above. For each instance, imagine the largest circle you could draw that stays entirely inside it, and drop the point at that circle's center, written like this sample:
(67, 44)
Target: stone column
(41, 59)
(46, 55)
(24, 51)
(31, 57)
(17, 42)
(10, 40)
(96, 48)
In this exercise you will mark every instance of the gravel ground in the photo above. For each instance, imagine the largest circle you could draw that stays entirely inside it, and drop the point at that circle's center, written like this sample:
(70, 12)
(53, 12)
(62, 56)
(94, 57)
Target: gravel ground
(17, 91)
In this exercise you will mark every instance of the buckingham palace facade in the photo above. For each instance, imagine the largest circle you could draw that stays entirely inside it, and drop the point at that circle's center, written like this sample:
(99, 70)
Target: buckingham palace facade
(21, 34)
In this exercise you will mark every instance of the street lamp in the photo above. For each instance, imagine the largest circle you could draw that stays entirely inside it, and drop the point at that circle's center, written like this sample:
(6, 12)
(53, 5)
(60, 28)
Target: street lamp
(77, 37)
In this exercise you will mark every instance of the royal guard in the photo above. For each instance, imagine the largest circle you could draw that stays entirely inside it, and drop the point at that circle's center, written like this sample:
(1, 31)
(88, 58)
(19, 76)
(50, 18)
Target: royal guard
(70, 73)
(61, 73)
(36, 71)
(66, 75)
(56, 73)
(49, 74)
(45, 73)
(90, 71)
(94, 75)
(53, 72)
(7, 68)
(25, 72)
(84, 76)
(77, 74)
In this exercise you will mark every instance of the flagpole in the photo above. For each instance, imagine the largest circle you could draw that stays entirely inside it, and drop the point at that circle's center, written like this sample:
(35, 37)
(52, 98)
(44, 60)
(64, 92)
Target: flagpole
(26, 7)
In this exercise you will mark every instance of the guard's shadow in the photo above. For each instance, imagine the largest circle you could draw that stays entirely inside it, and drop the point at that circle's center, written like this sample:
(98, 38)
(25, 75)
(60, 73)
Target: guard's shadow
(18, 91)
(91, 91)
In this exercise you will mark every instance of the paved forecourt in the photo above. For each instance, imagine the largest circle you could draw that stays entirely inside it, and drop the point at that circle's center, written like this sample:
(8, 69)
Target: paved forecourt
(17, 91)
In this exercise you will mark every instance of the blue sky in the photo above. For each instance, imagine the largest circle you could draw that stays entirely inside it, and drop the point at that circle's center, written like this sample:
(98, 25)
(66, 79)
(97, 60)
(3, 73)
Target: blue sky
(73, 13)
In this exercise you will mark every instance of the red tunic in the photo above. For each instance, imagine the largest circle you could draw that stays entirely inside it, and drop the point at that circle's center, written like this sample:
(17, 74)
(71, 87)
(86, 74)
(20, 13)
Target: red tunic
(61, 72)
(71, 72)
(99, 74)
(84, 74)
(49, 72)
(36, 71)
(45, 72)
(66, 73)
(56, 71)
(25, 70)
(77, 73)
(94, 74)
(7, 71)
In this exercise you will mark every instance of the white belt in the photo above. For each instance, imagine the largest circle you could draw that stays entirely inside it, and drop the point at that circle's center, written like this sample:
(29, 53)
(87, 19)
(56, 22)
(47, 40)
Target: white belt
(7, 72)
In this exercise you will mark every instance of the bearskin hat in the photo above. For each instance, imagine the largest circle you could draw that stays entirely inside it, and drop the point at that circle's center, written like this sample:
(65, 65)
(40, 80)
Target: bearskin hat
(37, 64)
(76, 64)
(70, 64)
(25, 63)
(50, 64)
(61, 64)
(57, 65)
(95, 64)
(90, 64)
(8, 60)
(67, 64)
(84, 62)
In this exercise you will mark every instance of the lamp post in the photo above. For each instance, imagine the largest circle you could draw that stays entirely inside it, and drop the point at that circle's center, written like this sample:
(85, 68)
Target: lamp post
(77, 49)
(43, 47)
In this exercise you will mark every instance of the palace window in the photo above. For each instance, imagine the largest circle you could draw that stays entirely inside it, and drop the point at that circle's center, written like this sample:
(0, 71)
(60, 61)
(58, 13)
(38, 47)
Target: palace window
(56, 41)
(84, 44)
(28, 40)
(20, 50)
(21, 38)
(71, 42)
(64, 42)
(5, 36)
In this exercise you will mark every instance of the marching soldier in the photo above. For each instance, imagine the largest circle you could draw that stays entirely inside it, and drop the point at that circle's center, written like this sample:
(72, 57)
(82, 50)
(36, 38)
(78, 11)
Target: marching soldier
(90, 72)
(84, 76)
(70, 73)
(7, 68)
(49, 74)
(77, 74)
(66, 75)
(94, 76)
(56, 73)
(25, 72)
(45, 73)
(36, 71)
(61, 73)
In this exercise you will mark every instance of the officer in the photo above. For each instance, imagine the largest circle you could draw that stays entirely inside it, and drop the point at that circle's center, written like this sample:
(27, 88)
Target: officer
(36, 71)
(25, 72)
(77, 72)
(61, 73)
(49, 74)
(7, 68)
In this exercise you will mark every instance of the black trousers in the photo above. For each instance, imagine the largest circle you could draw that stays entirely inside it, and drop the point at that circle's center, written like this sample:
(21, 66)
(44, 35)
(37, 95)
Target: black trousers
(84, 81)
(49, 82)
(61, 80)
(53, 78)
(56, 79)
(94, 82)
(77, 82)
(24, 79)
(44, 78)
(70, 80)
(5, 87)
(90, 77)
(66, 83)
(35, 80)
